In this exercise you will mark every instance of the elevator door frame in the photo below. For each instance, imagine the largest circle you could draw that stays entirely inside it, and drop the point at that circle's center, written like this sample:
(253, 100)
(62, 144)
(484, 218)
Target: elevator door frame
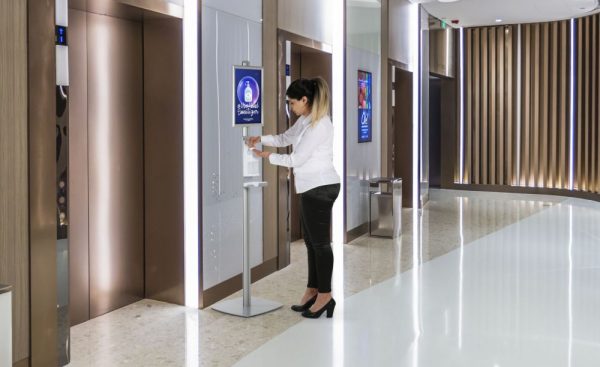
(283, 189)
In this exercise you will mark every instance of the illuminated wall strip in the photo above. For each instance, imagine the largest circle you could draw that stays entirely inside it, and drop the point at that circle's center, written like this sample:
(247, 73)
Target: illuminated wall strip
(190, 152)
(415, 38)
(338, 12)
(462, 107)
(518, 102)
(572, 105)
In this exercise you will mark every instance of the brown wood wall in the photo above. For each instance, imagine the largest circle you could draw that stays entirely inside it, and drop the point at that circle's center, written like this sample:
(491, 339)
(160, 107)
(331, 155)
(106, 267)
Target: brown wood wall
(587, 152)
(545, 105)
(533, 151)
(14, 240)
(490, 113)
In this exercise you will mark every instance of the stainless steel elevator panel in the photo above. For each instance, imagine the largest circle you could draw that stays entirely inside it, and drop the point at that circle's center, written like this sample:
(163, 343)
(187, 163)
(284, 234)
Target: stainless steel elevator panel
(79, 278)
(62, 223)
(116, 190)
(163, 141)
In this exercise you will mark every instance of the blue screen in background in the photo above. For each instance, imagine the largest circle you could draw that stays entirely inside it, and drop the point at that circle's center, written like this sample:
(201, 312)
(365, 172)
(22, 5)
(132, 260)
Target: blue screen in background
(365, 110)
(247, 96)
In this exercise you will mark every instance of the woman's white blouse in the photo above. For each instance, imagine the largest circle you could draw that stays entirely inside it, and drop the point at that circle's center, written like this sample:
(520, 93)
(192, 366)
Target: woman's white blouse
(312, 153)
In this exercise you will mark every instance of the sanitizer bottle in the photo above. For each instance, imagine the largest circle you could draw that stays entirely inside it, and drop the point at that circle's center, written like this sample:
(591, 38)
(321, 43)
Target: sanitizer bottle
(248, 93)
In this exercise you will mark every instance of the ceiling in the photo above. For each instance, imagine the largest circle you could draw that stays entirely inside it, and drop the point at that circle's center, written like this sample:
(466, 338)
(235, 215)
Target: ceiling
(471, 13)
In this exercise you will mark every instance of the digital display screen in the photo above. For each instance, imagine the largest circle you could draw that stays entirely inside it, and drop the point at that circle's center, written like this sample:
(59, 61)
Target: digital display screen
(247, 96)
(365, 107)
(60, 36)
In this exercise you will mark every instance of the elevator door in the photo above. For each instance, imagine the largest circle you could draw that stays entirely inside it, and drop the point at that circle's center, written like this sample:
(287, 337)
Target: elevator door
(107, 167)
(306, 63)
(402, 127)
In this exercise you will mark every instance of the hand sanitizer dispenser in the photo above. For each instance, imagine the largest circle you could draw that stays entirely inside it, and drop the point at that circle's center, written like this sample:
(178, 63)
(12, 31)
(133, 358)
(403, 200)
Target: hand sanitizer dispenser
(250, 161)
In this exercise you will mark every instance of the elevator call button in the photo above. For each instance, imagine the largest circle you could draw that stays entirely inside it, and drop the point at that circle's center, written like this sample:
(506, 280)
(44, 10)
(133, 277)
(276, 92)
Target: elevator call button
(60, 35)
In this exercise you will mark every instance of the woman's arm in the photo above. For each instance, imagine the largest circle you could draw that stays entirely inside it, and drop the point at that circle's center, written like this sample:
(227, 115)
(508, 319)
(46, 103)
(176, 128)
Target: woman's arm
(282, 140)
(301, 152)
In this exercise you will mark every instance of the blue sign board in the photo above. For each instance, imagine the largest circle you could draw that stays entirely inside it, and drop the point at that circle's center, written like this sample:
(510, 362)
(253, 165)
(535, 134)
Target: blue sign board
(365, 107)
(247, 96)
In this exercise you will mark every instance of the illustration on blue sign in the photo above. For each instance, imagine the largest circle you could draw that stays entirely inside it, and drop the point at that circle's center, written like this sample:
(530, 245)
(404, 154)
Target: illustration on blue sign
(365, 110)
(247, 96)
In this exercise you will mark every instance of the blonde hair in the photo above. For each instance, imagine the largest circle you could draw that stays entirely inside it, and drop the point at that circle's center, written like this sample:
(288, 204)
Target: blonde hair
(321, 100)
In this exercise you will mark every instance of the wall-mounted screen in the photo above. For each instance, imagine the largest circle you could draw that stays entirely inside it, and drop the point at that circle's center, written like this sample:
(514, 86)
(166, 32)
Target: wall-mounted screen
(365, 107)
(247, 96)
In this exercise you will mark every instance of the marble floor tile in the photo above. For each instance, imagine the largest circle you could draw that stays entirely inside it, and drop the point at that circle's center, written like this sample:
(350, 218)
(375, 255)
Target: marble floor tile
(150, 333)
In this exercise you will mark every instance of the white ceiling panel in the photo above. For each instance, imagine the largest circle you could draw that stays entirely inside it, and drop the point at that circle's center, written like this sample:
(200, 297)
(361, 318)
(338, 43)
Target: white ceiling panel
(471, 13)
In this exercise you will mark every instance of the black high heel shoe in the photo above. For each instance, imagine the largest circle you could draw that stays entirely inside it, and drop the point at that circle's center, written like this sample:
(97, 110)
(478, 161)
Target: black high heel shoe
(329, 307)
(306, 306)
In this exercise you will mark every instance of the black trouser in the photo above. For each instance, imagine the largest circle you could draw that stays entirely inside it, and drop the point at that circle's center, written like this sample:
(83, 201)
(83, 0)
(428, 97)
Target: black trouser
(316, 205)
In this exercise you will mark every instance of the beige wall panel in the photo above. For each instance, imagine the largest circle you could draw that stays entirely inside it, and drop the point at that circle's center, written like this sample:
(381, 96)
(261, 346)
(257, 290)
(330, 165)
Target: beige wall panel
(14, 239)
(544, 106)
(535, 131)
(509, 94)
(563, 120)
(500, 104)
(42, 183)
(485, 118)
(526, 107)
(554, 111)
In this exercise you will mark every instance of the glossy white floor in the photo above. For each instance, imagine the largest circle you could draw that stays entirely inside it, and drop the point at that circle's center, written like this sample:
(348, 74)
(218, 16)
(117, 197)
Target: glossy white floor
(486, 280)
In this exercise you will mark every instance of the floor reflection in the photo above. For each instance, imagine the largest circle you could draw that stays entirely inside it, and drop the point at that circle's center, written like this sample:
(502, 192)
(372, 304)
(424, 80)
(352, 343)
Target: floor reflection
(475, 276)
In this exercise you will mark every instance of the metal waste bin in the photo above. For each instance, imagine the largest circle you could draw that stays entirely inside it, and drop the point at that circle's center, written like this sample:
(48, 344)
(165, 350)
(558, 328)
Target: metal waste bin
(5, 326)
(385, 207)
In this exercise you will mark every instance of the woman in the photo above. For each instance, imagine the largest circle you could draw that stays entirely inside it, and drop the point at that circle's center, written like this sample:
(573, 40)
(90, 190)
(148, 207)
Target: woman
(317, 183)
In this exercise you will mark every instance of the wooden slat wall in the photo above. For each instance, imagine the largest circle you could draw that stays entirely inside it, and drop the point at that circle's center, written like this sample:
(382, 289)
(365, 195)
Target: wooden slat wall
(587, 153)
(14, 239)
(491, 123)
(490, 81)
(545, 105)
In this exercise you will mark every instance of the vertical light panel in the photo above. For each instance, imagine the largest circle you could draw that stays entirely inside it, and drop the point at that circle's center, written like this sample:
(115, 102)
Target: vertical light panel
(338, 10)
(462, 107)
(190, 151)
(61, 17)
(572, 111)
(415, 41)
(517, 173)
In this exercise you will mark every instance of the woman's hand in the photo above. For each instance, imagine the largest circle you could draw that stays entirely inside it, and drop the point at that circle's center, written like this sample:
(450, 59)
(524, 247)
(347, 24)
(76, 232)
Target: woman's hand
(252, 141)
(260, 153)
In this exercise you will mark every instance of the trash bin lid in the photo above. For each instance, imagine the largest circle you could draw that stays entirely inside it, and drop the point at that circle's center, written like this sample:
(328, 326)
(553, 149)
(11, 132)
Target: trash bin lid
(5, 288)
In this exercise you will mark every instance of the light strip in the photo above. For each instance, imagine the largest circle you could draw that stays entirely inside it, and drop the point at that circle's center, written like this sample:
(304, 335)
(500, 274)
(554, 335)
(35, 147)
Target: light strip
(570, 289)
(190, 152)
(462, 107)
(572, 119)
(337, 11)
(519, 70)
(416, 70)
(461, 276)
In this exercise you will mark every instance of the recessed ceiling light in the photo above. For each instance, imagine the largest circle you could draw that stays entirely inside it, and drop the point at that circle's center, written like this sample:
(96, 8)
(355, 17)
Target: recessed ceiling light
(498, 20)
(448, 1)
